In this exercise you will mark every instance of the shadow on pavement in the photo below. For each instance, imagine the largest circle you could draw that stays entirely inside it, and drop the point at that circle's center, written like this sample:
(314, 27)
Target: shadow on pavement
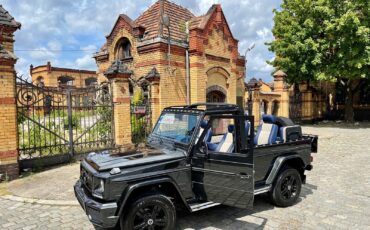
(224, 217)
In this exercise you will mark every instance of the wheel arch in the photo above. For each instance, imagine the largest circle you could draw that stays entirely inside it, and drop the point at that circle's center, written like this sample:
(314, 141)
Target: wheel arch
(294, 161)
(163, 185)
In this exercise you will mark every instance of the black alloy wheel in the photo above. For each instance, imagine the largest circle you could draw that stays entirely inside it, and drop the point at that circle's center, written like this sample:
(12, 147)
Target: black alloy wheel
(286, 188)
(289, 187)
(154, 212)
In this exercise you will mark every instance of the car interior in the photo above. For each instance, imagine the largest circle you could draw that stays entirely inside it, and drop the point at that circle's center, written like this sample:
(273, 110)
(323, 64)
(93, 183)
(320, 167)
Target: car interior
(220, 136)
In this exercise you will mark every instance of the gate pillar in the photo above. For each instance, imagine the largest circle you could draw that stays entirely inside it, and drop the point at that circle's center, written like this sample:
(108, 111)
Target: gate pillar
(9, 168)
(119, 76)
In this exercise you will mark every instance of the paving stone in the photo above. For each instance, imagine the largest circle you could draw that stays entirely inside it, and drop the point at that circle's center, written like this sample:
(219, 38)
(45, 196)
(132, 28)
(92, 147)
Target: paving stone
(336, 196)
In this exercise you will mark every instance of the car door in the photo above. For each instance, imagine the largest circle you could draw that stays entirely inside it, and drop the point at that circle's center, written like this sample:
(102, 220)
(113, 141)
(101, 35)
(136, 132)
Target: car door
(224, 177)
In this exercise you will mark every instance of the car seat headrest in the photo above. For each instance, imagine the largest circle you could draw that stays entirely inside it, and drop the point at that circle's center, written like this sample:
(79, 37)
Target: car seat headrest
(269, 119)
(203, 124)
(231, 128)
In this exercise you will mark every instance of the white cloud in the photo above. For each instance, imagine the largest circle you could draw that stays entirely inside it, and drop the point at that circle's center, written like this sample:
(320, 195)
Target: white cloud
(42, 53)
(71, 25)
(86, 62)
(54, 45)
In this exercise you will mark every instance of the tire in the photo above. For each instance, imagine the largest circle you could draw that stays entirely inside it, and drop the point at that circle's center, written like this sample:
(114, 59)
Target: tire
(151, 212)
(286, 188)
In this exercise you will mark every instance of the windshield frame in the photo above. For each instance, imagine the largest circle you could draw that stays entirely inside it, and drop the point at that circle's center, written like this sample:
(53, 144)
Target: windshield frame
(200, 115)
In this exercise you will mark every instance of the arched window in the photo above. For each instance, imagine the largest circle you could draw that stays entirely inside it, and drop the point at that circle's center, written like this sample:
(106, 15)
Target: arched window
(91, 81)
(275, 108)
(123, 49)
(40, 81)
(64, 81)
(263, 107)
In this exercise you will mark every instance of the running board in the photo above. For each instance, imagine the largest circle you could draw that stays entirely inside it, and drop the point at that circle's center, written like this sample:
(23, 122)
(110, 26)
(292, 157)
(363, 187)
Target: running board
(264, 189)
(200, 206)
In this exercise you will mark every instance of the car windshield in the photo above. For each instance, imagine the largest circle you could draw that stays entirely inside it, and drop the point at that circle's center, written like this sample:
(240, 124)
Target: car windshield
(176, 126)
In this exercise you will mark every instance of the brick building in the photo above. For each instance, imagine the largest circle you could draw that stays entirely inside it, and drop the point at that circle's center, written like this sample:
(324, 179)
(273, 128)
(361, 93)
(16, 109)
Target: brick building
(175, 56)
(50, 76)
(8, 116)
(268, 98)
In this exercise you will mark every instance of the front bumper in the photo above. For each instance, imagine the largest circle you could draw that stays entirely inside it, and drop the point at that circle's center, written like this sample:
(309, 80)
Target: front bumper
(100, 214)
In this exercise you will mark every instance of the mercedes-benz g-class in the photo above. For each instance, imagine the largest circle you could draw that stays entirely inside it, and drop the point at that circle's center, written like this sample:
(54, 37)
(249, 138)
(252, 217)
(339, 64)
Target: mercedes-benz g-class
(196, 157)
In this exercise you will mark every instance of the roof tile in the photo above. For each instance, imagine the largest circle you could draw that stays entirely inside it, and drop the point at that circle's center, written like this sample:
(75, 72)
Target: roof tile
(150, 20)
(7, 19)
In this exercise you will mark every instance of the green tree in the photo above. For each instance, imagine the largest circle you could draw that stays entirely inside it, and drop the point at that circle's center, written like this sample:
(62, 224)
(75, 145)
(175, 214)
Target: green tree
(324, 40)
(138, 97)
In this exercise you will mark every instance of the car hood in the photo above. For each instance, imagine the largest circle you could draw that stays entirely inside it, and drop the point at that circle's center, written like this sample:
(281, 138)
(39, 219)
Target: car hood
(109, 159)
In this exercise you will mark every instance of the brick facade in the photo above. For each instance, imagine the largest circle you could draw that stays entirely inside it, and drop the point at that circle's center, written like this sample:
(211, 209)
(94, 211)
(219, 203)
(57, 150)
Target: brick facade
(49, 75)
(8, 113)
(213, 55)
(268, 98)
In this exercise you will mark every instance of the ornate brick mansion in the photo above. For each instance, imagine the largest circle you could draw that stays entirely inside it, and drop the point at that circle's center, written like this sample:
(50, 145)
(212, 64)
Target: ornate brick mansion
(176, 56)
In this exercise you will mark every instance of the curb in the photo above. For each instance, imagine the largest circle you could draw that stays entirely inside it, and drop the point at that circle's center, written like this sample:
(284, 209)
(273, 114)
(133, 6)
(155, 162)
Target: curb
(41, 201)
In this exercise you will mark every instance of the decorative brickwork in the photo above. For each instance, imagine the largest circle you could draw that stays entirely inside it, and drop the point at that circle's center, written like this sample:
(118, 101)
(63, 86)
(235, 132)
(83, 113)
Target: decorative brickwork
(8, 118)
(211, 46)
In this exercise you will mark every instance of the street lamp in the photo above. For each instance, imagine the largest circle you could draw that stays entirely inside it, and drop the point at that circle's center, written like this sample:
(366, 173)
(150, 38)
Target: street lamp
(250, 103)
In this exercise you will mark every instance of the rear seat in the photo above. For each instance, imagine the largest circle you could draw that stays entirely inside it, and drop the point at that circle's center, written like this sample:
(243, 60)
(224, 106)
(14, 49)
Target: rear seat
(226, 144)
(267, 132)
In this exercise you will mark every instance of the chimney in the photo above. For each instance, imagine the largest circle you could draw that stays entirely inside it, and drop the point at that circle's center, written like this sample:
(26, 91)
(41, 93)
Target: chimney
(31, 68)
(48, 65)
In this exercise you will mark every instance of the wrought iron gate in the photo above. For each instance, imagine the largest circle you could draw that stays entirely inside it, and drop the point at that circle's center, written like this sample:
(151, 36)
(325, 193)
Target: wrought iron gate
(295, 105)
(55, 121)
(140, 121)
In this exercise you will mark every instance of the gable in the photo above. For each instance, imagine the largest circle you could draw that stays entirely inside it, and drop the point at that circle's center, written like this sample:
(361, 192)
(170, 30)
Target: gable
(210, 31)
(214, 18)
(123, 22)
(151, 20)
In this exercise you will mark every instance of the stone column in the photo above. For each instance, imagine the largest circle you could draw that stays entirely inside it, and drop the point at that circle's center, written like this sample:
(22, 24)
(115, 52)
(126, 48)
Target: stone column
(256, 106)
(119, 75)
(9, 168)
(154, 101)
(281, 87)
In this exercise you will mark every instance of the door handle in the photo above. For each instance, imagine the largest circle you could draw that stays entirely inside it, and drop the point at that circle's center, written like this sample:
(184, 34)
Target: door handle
(244, 176)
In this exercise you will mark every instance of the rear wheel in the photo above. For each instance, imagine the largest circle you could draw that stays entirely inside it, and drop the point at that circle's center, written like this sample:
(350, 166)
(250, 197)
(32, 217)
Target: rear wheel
(154, 212)
(287, 188)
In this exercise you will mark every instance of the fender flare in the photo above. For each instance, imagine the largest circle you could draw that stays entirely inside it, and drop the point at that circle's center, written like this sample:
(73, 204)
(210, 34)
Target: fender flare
(131, 188)
(279, 162)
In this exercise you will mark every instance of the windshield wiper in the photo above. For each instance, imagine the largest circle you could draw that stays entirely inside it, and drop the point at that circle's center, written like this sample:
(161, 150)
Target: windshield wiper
(157, 138)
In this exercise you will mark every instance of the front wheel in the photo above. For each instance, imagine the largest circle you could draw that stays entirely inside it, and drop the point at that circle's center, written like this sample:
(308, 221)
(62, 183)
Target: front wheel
(154, 212)
(286, 188)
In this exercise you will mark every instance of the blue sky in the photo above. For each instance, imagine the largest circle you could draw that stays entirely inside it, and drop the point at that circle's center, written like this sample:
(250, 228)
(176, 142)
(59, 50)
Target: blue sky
(68, 32)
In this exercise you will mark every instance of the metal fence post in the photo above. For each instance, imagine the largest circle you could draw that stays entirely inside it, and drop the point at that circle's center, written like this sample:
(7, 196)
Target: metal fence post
(70, 122)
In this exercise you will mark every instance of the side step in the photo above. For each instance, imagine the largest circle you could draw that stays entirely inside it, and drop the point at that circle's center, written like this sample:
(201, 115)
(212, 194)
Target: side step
(263, 189)
(199, 206)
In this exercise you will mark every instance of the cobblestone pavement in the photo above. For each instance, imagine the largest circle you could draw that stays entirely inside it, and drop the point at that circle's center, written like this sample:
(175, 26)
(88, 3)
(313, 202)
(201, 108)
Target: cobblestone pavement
(336, 196)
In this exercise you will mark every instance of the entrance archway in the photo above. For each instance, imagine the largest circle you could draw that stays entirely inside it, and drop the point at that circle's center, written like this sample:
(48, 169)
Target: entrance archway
(216, 94)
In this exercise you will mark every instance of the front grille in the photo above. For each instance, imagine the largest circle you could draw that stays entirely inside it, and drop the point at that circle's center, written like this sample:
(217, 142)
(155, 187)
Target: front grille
(86, 179)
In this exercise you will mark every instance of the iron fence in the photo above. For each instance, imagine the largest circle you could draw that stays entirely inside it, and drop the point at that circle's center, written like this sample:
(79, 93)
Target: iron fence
(54, 121)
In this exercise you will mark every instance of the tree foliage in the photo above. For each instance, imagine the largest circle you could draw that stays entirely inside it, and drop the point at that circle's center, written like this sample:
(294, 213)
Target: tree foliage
(322, 39)
(138, 97)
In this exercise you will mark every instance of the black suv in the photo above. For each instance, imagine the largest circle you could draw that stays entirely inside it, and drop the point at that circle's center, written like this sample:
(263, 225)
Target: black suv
(196, 157)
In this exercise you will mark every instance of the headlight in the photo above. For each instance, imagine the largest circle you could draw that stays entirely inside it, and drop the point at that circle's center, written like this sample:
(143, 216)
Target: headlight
(98, 188)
